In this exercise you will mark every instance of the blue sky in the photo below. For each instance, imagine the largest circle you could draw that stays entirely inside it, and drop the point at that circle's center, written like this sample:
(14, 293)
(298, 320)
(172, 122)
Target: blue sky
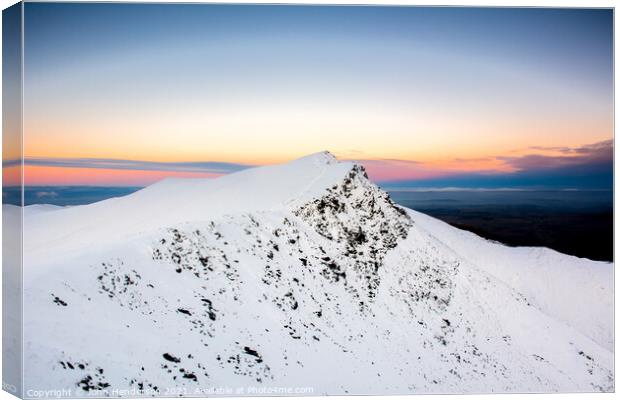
(454, 94)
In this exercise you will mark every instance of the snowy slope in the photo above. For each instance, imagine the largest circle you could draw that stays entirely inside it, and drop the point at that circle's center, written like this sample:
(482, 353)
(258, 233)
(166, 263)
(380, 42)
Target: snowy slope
(301, 275)
(577, 291)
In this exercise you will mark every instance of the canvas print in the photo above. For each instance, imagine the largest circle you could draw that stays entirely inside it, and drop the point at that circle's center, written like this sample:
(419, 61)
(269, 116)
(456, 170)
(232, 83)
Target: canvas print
(305, 200)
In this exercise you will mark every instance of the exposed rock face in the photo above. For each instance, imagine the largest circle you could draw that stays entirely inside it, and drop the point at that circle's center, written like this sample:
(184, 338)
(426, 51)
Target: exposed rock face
(363, 224)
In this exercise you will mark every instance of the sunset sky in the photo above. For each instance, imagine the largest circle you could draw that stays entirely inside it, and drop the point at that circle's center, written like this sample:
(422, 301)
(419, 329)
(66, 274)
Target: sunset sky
(125, 94)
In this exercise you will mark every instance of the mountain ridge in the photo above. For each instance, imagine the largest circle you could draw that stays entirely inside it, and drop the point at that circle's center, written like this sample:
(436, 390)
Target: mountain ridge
(323, 272)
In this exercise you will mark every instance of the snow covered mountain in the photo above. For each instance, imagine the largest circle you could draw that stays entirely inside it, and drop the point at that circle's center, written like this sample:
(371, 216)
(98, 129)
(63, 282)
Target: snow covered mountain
(300, 275)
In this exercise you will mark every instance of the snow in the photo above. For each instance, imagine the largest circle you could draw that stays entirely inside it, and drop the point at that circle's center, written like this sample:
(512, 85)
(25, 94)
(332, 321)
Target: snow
(11, 296)
(174, 201)
(578, 291)
(41, 208)
(303, 274)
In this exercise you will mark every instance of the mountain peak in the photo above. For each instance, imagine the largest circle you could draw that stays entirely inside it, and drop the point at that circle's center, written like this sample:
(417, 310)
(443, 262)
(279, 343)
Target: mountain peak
(320, 158)
(306, 261)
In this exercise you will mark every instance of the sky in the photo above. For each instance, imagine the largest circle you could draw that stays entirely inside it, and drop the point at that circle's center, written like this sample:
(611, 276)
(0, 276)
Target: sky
(127, 94)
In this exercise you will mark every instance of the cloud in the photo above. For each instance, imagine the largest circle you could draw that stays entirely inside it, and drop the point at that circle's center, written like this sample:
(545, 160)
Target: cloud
(584, 167)
(133, 165)
(41, 195)
(587, 166)
(473, 160)
(11, 163)
(550, 148)
(596, 148)
(584, 158)
(349, 153)
(388, 160)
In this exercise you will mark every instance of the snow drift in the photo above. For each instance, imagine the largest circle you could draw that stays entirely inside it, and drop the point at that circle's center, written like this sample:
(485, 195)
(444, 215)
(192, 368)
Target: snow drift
(307, 275)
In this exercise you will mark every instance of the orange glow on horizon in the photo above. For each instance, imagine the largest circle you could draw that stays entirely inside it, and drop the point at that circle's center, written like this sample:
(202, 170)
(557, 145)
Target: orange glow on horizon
(11, 176)
(380, 169)
(59, 176)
